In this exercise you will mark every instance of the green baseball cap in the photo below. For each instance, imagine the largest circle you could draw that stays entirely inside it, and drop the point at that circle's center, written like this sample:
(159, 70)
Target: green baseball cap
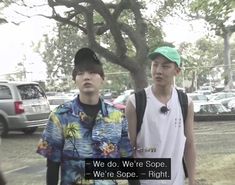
(168, 52)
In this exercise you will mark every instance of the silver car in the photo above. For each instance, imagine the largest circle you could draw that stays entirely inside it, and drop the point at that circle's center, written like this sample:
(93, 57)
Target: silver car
(56, 101)
(23, 106)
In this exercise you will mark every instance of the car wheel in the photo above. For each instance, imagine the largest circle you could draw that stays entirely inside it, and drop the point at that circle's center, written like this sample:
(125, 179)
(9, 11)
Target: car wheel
(3, 128)
(29, 131)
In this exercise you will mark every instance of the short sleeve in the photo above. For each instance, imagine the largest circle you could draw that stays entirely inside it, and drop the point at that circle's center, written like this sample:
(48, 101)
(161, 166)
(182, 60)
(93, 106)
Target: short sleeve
(125, 144)
(51, 143)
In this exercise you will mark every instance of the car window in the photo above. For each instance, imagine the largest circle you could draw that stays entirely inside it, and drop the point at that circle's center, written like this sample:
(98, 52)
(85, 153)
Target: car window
(220, 108)
(5, 92)
(214, 108)
(30, 91)
(201, 97)
(204, 109)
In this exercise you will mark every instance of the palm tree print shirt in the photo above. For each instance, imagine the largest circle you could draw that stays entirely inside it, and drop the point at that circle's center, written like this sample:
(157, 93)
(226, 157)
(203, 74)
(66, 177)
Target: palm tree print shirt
(69, 138)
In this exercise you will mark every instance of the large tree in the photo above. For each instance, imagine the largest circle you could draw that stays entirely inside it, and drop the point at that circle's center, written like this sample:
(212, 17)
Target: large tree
(119, 31)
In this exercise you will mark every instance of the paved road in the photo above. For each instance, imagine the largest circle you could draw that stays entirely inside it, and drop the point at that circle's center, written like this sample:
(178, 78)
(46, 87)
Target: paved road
(22, 166)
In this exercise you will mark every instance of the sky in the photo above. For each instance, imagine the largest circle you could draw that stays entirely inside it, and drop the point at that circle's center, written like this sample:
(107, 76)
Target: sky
(178, 31)
(16, 43)
(16, 46)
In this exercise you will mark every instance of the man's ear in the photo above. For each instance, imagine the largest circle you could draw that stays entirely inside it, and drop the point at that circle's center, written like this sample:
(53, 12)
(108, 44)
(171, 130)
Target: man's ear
(104, 80)
(177, 71)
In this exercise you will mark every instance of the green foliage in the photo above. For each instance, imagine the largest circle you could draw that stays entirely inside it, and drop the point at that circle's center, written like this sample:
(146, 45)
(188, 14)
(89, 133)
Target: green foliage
(117, 78)
(200, 58)
(217, 13)
(58, 55)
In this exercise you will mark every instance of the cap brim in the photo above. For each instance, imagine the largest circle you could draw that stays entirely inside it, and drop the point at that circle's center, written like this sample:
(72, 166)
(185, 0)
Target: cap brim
(153, 55)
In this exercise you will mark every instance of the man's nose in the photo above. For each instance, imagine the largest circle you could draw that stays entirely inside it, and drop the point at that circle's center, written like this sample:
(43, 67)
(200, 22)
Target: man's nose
(159, 69)
(86, 75)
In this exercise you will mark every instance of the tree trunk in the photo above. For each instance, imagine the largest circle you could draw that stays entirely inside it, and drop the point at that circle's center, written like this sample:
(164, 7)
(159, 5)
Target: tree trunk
(193, 86)
(227, 62)
(140, 79)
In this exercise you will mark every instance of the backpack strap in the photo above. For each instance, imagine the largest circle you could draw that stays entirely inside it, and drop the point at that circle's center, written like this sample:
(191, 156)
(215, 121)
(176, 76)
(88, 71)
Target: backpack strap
(183, 99)
(140, 104)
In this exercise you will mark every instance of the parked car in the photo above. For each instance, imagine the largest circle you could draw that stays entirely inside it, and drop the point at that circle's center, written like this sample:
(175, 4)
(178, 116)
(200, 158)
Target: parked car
(23, 106)
(209, 108)
(221, 95)
(225, 101)
(204, 92)
(55, 101)
(197, 97)
(120, 101)
(231, 105)
(207, 88)
(212, 111)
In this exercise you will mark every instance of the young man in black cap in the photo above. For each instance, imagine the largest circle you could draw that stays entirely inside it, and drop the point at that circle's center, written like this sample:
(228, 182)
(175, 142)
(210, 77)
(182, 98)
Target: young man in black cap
(164, 128)
(86, 127)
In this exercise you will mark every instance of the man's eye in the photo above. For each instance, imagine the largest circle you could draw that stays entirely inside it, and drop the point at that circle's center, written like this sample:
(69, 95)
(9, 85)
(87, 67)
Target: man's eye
(80, 73)
(165, 66)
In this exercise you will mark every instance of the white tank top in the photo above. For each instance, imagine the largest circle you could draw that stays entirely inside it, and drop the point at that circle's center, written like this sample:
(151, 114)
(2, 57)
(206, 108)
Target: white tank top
(162, 136)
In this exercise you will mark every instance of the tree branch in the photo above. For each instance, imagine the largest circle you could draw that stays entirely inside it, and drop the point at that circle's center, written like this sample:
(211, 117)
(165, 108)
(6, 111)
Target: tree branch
(3, 21)
(114, 28)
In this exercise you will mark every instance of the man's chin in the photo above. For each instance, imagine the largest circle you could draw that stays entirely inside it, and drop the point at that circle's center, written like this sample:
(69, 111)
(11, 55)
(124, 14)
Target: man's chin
(88, 91)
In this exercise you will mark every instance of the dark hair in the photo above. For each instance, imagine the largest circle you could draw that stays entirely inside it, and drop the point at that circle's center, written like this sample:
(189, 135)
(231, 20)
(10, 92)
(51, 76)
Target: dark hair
(89, 67)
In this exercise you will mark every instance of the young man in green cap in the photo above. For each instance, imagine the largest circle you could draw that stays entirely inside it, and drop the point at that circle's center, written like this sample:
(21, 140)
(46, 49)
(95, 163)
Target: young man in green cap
(86, 127)
(163, 129)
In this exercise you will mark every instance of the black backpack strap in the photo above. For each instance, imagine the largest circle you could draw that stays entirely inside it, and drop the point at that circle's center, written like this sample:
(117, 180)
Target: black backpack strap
(140, 104)
(183, 99)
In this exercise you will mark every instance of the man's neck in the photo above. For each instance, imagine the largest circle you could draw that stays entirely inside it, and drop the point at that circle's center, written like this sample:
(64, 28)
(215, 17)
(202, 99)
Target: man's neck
(89, 99)
(162, 93)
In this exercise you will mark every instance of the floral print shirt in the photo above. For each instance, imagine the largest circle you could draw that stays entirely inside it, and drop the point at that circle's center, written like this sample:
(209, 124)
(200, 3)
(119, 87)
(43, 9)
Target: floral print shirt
(69, 138)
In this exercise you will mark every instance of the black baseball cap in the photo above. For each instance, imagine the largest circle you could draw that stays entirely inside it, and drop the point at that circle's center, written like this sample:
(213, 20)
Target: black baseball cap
(86, 60)
(86, 55)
